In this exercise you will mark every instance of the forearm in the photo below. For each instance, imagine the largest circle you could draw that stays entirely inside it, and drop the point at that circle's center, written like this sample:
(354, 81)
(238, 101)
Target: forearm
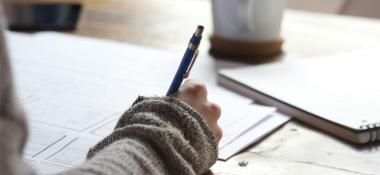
(155, 136)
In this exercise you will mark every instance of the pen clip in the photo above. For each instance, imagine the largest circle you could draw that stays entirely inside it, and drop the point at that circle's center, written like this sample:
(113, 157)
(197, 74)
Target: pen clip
(191, 64)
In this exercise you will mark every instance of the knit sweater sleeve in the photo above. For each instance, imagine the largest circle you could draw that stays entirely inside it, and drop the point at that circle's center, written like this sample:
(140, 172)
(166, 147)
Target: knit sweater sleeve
(157, 135)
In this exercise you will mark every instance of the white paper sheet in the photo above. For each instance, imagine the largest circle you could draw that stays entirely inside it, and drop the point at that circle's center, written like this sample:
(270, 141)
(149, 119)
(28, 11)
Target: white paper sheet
(74, 153)
(80, 86)
(41, 139)
(243, 122)
(105, 129)
(47, 168)
(255, 134)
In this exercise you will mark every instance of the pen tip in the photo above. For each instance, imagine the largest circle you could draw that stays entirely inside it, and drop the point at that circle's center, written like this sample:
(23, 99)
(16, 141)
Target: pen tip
(199, 31)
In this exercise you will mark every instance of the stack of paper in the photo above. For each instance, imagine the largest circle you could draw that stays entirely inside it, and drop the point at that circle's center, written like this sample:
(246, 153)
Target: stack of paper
(74, 89)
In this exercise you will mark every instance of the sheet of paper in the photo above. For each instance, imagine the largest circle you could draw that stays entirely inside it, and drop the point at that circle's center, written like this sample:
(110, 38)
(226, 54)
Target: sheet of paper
(71, 116)
(74, 153)
(244, 123)
(47, 168)
(41, 139)
(80, 86)
(105, 129)
(255, 134)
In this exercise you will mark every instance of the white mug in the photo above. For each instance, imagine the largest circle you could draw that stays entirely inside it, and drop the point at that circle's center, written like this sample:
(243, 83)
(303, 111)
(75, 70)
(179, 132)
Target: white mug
(248, 20)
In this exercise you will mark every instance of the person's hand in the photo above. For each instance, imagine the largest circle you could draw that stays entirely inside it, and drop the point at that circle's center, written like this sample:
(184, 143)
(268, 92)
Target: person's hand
(195, 94)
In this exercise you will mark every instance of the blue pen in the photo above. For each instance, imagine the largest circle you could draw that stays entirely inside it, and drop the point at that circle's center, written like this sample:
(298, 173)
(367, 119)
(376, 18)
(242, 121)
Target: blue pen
(187, 61)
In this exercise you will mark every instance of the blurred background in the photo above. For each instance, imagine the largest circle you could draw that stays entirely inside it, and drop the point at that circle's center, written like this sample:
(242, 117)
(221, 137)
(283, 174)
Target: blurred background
(365, 8)
(167, 23)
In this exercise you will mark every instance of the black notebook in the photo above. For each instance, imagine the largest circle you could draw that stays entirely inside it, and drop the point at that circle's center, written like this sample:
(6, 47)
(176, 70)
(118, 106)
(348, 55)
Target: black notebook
(339, 94)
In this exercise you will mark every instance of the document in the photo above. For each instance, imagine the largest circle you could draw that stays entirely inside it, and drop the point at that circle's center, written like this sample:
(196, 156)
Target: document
(46, 168)
(74, 153)
(41, 139)
(74, 89)
(257, 132)
(70, 115)
(107, 128)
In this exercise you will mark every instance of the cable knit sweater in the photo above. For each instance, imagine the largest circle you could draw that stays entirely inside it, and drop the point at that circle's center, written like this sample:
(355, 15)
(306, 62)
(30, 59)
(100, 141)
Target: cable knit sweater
(157, 135)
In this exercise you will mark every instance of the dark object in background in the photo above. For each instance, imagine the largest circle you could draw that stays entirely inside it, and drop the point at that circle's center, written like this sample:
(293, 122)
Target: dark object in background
(52, 16)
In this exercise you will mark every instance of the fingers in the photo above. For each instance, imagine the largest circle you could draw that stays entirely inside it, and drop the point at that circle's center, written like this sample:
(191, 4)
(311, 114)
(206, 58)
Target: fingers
(213, 110)
(195, 94)
(195, 89)
(218, 132)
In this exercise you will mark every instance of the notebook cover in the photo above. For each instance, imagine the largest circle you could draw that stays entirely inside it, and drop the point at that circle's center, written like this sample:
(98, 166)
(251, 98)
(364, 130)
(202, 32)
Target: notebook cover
(343, 89)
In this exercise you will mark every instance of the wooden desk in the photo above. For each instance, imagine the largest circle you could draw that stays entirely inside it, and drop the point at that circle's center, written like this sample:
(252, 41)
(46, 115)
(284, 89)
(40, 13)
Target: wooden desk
(295, 148)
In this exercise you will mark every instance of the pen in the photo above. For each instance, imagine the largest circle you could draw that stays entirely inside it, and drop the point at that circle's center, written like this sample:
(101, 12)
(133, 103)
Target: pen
(187, 62)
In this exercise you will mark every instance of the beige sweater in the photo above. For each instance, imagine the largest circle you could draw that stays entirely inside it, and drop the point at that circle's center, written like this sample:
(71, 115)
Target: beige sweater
(158, 135)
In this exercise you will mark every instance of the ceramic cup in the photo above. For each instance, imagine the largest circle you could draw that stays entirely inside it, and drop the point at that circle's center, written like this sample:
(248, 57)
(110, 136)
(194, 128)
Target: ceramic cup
(250, 20)
(247, 30)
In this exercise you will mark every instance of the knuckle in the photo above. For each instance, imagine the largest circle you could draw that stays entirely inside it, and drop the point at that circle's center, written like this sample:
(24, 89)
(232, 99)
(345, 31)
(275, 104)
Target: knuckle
(213, 110)
(216, 110)
(198, 89)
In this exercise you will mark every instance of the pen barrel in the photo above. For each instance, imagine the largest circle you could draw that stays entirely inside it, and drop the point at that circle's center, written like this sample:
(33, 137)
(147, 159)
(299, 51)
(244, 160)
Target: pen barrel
(187, 61)
(181, 71)
(194, 42)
